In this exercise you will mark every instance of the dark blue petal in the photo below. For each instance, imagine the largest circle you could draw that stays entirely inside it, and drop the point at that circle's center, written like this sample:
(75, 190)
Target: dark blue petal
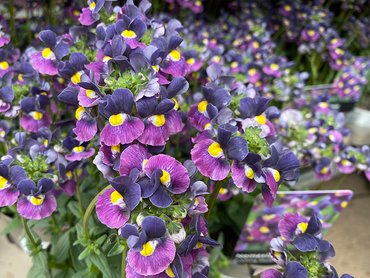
(178, 86)
(305, 243)
(237, 148)
(48, 37)
(61, 50)
(45, 185)
(146, 106)
(69, 95)
(161, 198)
(128, 230)
(153, 226)
(164, 106)
(247, 108)
(295, 270)
(26, 186)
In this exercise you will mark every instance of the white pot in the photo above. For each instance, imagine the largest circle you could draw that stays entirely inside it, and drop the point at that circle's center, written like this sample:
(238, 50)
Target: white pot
(358, 121)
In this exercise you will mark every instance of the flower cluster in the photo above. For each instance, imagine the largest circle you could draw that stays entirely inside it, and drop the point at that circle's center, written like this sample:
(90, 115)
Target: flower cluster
(300, 250)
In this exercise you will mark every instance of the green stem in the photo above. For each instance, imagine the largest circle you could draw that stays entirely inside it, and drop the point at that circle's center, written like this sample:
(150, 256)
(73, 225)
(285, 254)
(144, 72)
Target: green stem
(89, 210)
(123, 262)
(213, 197)
(78, 195)
(29, 233)
(11, 10)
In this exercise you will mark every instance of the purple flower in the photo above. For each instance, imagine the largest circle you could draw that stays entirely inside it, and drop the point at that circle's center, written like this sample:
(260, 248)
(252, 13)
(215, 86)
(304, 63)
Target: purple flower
(91, 14)
(45, 61)
(247, 173)
(9, 178)
(35, 116)
(281, 166)
(322, 169)
(151, 252)
(292, 270)
(6, 98)
(122, 127)
(4, 63)
(73, 69)
(132, 30)
(78, 152)
(133, 157)
(167, 176)
(114, 204)
(212, 157)
(37, 201)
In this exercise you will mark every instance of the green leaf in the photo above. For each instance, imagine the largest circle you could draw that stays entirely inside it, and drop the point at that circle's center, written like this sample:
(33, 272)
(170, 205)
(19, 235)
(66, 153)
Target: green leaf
(13, 224)
(39, 267)
(85, 253)
(61, 248)
(101, 262)
(116, 249)
(75, 251)
(74, 208)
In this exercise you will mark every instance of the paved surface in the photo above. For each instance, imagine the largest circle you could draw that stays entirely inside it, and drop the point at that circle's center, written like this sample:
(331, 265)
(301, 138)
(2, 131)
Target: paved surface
(350, 235)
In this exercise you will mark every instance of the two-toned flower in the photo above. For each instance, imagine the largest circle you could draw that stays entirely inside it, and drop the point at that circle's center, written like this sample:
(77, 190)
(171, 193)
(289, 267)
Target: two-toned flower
(46, 61)
(114, 205)
(37, 201)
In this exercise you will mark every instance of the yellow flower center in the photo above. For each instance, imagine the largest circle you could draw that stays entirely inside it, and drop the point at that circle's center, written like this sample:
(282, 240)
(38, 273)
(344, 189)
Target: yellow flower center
(339, 62)
(116, 197)
(46, 142)
(207, 126)
(202, 106)
(234, 65)
(165, 178)
(216, 59)
(3, 182)
(76, 78)
(302, 226)
(276, 175)
(274, 66)
(264, 230)
(252, 71)
(148, 249)
(339, 51)
(116, 148)
(78, 149)
(223, 191)
(37, 115)
(261, 119)
(92, 5)
(344, 204)
(107, 58)
(156, 68)
(311, 33)
(69, 175)
(268, 217)
(249, 173)
(346, 162)
(36, 201)
(324, 170)
(128, 34)
(47, 53)
(287, 8)
(117, 119)
(323, 104)
(256, 44)
(197, 3)
(190, 61)
(175, 55)
(347, 91)
(158, 120)
(79, 112)
(2, 133)
(176, 107)
(90, 94)
(169, 272)
(215, 150)
(20, 77)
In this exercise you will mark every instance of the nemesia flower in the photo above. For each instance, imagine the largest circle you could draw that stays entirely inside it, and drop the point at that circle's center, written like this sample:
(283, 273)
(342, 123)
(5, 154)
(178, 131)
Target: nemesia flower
(90, 15)
(132, 30)
(114, 204)
(122, 127)
(9, 178)
(35, 115)
(151, 251)
(6, 98)
(78, 152)
(133, 157)
(36, 201)
(45, 61)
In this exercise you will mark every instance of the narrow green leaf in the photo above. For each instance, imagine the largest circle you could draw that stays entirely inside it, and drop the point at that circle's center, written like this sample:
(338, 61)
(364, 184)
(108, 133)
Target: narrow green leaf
(101, 262)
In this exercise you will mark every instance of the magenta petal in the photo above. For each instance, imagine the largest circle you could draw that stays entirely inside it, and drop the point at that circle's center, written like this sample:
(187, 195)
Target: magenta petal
(173, 122)
(29, 211)
(85, 130)
(179, 175)
(126, 133)
(42, 65)
(162, 257)
(240, 180)
(111, 215)
(176, 69)
(85, 101)
(79, 156)
(154, 136)
(4, 40)
(132, 157)
(30, 124)
(8, 197)
(97, 68)
(86, 17)
(69, 187)
(214, 168)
